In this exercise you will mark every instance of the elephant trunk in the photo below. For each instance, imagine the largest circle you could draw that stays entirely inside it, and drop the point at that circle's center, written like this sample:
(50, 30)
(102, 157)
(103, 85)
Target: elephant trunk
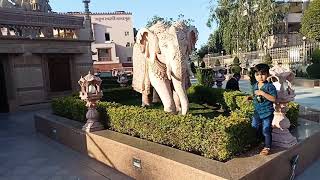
(180, 95)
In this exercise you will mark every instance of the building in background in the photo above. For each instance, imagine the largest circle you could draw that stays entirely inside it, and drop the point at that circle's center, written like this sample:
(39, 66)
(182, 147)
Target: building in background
(287, 33)
(113, 39)
(42, 54)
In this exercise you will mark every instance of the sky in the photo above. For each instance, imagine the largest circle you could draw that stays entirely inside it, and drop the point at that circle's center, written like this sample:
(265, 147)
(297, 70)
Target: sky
(143, 10)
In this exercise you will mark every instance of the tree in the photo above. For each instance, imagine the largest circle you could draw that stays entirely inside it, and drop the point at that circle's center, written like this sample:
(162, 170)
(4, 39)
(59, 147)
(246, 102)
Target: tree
(267, 59)
(168, 21)
(235, 68)
(215, 42)
(193, 68)
(202, 51)
(310, 25)
(313, 69)
(244, 23)
(156, 19)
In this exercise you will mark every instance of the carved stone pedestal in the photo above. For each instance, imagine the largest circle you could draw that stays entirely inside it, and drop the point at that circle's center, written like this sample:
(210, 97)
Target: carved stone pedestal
(93, 123)
(282, 137)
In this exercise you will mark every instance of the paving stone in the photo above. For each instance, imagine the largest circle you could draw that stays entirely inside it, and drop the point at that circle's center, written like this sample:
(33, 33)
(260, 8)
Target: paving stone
(26, 155)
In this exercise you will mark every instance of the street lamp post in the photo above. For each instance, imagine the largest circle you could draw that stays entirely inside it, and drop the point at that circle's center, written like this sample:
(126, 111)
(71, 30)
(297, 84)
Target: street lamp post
(222, 60)
(304, 60)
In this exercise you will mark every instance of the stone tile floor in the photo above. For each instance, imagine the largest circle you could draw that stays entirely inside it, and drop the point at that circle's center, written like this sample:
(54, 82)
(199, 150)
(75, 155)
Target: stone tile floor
(27, 155)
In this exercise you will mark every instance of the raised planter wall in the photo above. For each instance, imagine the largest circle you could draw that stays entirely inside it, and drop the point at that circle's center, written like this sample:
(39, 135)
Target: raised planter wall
(161, 162)
(308, 83)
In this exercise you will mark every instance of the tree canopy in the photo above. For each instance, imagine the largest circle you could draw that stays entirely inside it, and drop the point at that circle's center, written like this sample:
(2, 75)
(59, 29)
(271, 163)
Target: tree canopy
(245, 24)
(168, 21)
(310, 25)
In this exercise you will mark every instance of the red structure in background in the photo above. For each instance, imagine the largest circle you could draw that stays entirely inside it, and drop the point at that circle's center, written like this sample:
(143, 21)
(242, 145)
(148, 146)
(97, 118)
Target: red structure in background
(109, 67)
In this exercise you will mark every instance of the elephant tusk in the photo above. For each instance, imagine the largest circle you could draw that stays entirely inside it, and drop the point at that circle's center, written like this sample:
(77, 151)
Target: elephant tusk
(169, 72)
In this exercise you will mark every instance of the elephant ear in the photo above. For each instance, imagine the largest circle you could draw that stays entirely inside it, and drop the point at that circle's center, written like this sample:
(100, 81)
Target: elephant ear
(140, 81)
(149, 43)
(192, 38)
(141, 40)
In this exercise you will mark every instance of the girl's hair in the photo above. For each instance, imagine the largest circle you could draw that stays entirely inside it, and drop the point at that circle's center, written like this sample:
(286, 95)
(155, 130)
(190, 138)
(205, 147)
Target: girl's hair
(262, 68)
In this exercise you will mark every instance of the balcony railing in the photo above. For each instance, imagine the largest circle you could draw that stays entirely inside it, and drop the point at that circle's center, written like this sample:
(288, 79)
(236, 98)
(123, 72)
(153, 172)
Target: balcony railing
(17, 23)
(104, 58)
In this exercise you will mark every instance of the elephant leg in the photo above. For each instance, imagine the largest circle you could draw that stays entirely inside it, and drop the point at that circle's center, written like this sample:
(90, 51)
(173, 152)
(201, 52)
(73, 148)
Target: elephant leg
(180, 90)
(164, 91)
(146, 100)
(155, 97)
(176, 101)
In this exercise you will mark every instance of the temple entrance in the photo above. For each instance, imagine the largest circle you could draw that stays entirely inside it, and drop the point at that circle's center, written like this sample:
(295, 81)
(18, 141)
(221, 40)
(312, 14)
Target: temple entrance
(59, 74)
(4, 107)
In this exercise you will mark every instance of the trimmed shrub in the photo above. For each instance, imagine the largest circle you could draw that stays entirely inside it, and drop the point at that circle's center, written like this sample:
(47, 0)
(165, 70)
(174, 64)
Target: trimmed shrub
(205, 76)
(237, 101)
(235, 68)
(230, 99)
(293, 114)
(217, 63)
(111, 82)
(219, 138)
(193, 68)
(315, 57)
(120, 94)
(313, 71)
(234, 134)
(70, 107)
(202, 64)
(205, 95)
(236, 61)
(268, 59)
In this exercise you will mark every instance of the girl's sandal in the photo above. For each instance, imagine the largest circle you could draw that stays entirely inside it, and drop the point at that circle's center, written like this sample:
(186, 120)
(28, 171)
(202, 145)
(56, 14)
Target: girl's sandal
(265, 151)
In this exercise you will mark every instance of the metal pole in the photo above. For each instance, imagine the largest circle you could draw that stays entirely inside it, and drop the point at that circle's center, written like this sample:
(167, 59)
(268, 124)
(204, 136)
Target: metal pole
(304, 60)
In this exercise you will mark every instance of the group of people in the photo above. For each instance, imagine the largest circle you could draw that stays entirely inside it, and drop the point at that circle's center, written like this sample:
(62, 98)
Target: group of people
(264, 95)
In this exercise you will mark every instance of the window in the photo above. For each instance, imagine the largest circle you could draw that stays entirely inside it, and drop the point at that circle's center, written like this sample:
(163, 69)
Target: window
(128, 44)
(107, 36)
(104, 54)
(129, 59)
(126, 33)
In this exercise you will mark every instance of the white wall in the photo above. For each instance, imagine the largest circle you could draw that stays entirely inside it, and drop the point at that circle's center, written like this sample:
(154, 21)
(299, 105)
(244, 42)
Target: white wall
(116, 24)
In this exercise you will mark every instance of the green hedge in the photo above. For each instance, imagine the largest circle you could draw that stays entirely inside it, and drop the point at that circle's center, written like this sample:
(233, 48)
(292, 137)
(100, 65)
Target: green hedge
(205, 76)
(218, 138)
(293, 114)
(238, 102)
(236, 69)
(120, 94)
(313, 71)
(70, 107)
(205, 95)
(111, 82)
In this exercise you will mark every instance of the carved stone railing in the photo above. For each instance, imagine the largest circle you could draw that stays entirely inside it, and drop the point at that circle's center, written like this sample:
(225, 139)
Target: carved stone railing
(10, 16)
(31, 24)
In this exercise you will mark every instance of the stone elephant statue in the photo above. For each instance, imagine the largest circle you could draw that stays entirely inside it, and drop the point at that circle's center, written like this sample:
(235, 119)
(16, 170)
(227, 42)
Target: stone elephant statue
(160, 63)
